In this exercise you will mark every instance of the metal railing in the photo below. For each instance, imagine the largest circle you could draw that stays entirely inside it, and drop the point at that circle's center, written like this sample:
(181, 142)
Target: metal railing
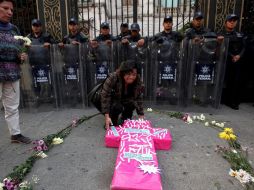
(148, 14)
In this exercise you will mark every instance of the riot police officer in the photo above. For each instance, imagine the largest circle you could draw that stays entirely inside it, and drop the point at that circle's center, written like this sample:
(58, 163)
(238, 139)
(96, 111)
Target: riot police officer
(39, 59)
(236, 49)
(135, 36)
(124, 28)
(38, 37)
(75, 36)
(104, 36)
(197, 29)
(167, 33)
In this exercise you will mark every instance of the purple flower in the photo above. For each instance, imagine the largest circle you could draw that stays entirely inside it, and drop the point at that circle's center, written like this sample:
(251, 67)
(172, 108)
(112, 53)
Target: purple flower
(38, 148)
(44, 147)
(9, 184)
(40, 142)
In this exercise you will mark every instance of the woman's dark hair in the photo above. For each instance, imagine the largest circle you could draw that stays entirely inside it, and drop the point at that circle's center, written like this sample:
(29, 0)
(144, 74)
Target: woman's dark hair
(127, 67)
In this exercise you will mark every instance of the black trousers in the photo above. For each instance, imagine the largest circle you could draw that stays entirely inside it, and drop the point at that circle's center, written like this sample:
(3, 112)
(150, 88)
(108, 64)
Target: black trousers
(231, 92)
(125, 109)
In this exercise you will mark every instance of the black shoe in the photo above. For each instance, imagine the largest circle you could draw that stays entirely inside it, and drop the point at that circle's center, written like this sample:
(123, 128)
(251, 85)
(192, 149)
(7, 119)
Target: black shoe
(20, 139)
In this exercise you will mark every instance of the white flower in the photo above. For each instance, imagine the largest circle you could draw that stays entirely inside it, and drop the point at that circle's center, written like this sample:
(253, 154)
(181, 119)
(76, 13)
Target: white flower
(194, 117)
(42, 154)
(232, 173)
(206, 124)
(57, 140)
(24, 184)
(213, 122)
(149, 109)
(27, 41)
(241, 175)
(1, 186)
(234, 151)
(202, 117)
(189, 120)
(221, 125)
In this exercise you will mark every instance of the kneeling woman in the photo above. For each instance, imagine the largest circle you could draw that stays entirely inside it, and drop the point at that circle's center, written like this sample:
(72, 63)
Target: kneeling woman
(121, 94)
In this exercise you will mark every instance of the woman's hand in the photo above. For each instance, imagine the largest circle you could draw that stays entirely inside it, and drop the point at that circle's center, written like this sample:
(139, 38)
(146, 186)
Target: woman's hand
(108, 121)
(23, 56)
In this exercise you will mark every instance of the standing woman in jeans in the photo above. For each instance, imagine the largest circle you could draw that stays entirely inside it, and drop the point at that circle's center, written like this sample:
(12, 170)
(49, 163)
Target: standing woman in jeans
(10, 58)
(121, 94)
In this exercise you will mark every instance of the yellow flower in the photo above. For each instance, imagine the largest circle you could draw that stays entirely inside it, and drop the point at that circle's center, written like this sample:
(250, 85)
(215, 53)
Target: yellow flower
(224, 135)
(57, 140)
(228, 130)
(227, 136)
(232, 137)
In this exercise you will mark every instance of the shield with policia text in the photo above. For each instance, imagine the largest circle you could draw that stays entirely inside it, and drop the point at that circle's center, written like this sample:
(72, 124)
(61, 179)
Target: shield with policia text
(100, 64)
(205, 71)
(37, 79)
(70, 76)
(166, 72)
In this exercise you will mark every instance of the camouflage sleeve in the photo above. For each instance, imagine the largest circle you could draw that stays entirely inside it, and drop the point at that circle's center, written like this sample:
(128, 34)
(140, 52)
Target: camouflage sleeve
(107, 88)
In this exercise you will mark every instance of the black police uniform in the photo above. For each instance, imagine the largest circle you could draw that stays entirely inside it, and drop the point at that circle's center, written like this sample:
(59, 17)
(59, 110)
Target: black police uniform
(232, 80)
(123, 35)
(41, 39)
(79, 37)
(196, 32)
(172, 35)
(102, 38)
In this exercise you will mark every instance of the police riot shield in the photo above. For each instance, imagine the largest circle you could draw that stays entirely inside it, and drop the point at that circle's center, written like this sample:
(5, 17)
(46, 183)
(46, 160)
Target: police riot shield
(99, 63)
(205, 71)
(131, 51)
(69, 74)
(37, 83)
(166, 71)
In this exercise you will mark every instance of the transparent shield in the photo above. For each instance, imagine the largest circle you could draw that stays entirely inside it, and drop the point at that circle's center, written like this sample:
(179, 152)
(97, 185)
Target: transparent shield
(69, 75)
(166, 71)
(206, 71)
(140, 55)
(37, 84)
(99, 64)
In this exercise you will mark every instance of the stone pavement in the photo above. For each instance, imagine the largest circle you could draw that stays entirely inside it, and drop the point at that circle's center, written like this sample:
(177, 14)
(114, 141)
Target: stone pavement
(82, 162)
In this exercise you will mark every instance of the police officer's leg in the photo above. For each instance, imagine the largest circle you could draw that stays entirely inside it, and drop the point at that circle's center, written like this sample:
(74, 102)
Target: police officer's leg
(233, 84)
(115, 110)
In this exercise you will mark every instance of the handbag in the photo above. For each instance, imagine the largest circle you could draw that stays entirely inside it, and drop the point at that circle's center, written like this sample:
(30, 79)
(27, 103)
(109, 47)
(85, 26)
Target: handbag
(94, 96)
